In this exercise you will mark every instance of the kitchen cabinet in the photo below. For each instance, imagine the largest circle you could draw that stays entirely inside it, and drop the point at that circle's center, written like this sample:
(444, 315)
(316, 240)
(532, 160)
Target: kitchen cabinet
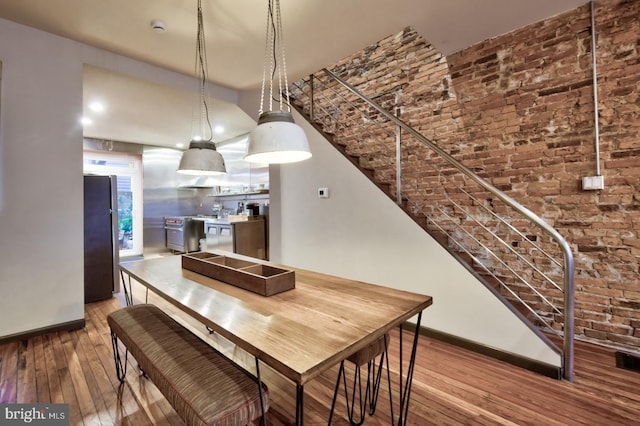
(219, 235)
(249, 238)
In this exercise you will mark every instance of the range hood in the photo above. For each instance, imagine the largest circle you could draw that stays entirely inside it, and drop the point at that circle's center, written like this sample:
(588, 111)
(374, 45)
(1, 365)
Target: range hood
(242, 177)
(200, 182)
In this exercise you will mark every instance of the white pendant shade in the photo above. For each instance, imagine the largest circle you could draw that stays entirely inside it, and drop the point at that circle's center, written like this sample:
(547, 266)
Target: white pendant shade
(201, 159)
(277, 140)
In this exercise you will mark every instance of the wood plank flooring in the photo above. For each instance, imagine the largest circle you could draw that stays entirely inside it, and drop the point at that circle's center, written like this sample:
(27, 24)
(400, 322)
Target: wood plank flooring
(451, 386)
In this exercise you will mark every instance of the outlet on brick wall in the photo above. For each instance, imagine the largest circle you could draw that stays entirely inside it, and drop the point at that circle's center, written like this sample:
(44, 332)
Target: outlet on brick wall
(591, 183)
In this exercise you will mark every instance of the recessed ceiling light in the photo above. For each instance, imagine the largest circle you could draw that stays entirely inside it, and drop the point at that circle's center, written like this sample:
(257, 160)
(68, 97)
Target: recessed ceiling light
(219, 129)
(179, 145)
(86, 121)
(96, 106)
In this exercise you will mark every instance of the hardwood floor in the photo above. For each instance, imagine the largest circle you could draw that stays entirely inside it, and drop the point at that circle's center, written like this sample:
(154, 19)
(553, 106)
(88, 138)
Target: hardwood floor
(451, 386)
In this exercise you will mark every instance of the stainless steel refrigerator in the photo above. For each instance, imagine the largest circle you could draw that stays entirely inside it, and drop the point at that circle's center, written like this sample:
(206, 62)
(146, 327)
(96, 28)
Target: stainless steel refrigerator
(101, 249)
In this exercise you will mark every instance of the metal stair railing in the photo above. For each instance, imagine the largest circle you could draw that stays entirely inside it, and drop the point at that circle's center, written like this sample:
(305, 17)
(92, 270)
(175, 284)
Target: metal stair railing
(512, 250)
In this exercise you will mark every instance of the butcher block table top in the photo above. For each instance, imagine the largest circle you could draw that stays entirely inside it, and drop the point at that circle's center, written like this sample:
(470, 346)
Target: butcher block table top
(300, 332)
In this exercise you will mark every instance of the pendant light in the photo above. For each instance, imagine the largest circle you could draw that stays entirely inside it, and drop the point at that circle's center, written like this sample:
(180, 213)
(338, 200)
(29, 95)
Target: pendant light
(201, 158)
(276, 139)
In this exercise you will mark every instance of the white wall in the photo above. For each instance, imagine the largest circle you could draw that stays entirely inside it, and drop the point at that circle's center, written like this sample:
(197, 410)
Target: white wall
(41, 215)
(359, 233)
(41, 184)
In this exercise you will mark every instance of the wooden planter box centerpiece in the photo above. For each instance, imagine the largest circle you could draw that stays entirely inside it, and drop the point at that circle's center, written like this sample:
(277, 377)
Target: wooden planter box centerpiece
(259, 278)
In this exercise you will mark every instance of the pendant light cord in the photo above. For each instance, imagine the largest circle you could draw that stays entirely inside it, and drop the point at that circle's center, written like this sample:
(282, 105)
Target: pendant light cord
(284, 62)
(274, 47)
(202, 73)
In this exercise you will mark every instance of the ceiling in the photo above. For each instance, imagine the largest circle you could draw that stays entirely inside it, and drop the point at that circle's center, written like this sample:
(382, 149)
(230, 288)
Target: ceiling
(317, 33)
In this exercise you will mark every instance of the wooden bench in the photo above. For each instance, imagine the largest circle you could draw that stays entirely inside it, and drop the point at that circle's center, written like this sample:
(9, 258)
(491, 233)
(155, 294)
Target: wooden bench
(203, 386)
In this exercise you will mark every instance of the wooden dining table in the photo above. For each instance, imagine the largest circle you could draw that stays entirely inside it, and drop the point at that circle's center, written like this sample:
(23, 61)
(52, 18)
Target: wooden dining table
(299, 333)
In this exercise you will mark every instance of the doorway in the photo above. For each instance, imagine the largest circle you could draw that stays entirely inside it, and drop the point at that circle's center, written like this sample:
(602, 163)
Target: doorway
(128, 169)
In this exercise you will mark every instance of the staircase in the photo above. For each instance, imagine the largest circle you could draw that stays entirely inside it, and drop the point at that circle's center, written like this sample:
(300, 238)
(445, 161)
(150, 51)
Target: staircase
(524, 261)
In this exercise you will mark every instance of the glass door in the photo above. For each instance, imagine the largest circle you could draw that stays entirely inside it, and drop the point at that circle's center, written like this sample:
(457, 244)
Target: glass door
(128, 169)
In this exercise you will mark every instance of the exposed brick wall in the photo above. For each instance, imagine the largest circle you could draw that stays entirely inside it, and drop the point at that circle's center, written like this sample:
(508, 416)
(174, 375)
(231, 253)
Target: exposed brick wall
(531, 95)
(518, 110)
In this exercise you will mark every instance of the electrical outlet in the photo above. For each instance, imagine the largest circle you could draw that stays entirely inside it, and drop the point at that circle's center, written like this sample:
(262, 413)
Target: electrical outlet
(323, 192)
(591, 183)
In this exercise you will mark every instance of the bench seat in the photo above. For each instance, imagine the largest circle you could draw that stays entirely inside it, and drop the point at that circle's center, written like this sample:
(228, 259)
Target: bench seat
(203, 386)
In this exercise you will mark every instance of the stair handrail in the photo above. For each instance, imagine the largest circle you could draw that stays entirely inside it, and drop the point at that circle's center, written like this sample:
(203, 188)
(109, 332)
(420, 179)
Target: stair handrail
(568, 329)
